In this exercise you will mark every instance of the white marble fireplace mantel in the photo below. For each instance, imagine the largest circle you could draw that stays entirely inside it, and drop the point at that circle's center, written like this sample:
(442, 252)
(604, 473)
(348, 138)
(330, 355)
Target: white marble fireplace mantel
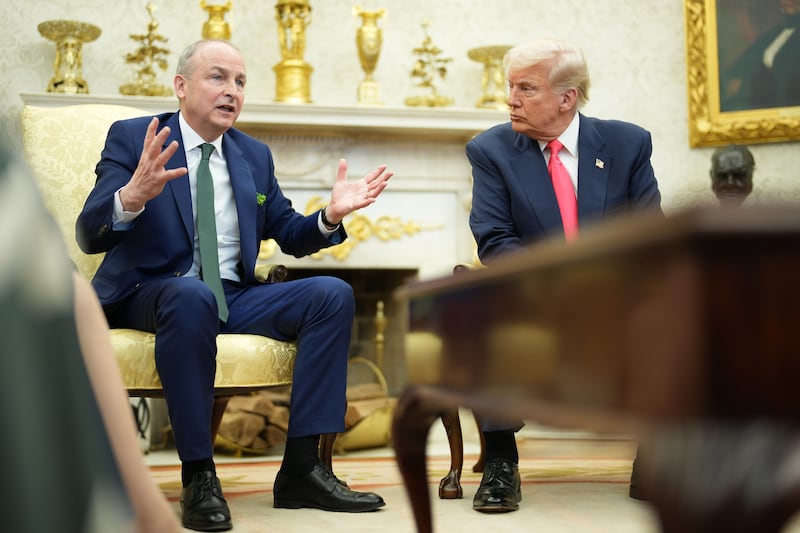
(420, 222)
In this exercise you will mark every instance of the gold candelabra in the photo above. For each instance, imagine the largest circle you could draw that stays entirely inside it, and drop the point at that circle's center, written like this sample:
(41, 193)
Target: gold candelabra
(369, 39)
(148, 55)
(216, 27)
(429, 66)
(293, 74)
(493, 86)
(69, 37)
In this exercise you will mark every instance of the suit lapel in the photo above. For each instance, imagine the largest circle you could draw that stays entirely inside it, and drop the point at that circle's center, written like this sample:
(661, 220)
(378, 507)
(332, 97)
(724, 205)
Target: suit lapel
(244, 194)
(593, 168)
(530, 170)
(179, 187)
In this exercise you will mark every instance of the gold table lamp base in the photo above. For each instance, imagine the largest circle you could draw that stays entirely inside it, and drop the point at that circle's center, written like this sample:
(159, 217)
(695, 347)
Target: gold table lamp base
(216, 27)
(293, 81)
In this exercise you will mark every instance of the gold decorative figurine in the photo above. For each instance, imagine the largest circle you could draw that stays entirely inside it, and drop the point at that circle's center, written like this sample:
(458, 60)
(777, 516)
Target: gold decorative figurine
(427, 67)
(368, 40)
(148, 55)
(216, 27)
(69, 37)
(493, 86)
(293, 75)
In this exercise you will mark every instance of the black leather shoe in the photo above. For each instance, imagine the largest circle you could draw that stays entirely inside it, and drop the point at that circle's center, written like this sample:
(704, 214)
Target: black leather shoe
(204, 507)
(320, 489)
(500, 490)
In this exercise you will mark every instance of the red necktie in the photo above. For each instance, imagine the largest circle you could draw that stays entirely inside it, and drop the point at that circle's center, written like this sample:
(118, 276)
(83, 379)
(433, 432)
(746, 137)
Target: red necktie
(565, 193)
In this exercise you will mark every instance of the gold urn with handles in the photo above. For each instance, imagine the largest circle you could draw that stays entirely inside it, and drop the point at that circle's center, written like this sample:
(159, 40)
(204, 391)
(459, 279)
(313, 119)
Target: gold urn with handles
(369, 39)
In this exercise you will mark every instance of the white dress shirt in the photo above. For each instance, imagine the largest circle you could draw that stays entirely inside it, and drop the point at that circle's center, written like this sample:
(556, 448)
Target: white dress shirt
(569, 153)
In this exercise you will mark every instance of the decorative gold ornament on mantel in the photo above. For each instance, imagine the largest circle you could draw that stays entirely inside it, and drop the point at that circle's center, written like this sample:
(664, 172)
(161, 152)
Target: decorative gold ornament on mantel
(368, 40)
(427, 67)
(293, 74)
(359, 228)
(148, 55)
(69, 37)
(493, 80)
(216, 27)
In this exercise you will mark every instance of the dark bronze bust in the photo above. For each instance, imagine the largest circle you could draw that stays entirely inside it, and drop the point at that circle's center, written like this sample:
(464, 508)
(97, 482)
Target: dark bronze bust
(732, 174)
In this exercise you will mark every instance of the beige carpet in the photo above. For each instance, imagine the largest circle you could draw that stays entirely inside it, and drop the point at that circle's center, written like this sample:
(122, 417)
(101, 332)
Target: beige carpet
(568, 486)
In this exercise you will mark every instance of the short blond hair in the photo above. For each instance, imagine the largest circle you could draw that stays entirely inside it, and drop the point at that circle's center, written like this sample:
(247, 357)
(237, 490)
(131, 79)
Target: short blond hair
(569, 69)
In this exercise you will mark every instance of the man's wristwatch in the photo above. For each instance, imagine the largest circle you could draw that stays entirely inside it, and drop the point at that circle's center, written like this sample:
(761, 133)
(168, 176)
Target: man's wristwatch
(327, 223)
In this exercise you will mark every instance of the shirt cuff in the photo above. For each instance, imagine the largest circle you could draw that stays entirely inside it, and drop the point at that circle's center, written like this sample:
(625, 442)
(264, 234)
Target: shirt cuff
(323, 228)
(120, 215)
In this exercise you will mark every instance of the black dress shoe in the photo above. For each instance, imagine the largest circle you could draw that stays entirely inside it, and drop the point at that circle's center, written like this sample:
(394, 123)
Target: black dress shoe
(320, 489)
(204, 507)
(500, 490)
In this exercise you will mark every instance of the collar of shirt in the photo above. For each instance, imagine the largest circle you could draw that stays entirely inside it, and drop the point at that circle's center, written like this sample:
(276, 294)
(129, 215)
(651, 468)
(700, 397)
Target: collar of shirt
(568, 138)
(772, 50)
(191, 139)
(568, 154)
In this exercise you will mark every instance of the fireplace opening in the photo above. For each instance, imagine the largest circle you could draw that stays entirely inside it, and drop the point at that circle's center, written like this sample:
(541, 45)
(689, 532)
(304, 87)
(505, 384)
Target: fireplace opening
(373, 288)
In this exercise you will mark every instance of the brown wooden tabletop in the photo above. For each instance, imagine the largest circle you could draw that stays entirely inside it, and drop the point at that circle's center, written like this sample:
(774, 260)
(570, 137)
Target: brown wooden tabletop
(639, 325)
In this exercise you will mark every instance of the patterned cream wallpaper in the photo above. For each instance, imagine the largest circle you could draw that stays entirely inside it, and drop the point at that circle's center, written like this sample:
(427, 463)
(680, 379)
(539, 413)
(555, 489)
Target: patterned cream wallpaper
(635, 50)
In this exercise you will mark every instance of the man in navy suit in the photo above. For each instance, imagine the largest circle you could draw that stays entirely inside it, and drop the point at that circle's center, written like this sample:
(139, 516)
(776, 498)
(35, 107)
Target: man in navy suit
(142, 214)
(514, 203)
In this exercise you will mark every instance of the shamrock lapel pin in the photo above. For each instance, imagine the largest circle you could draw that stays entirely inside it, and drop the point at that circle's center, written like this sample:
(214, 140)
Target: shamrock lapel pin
(261, 198)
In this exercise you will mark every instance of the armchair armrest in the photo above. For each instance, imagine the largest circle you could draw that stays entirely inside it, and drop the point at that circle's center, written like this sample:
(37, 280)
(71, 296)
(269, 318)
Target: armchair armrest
(271, 272)
(466, 267)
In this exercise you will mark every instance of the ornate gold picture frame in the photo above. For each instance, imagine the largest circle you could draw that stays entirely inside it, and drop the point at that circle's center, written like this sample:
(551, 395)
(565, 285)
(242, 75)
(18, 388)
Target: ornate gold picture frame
(709, 125)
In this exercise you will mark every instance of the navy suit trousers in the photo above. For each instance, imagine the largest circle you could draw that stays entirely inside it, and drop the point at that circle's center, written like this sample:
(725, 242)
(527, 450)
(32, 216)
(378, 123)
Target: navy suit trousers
(317, 312)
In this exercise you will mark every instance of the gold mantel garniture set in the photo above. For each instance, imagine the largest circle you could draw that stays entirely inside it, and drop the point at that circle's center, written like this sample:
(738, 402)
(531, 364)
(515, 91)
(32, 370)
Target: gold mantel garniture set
(293, 73)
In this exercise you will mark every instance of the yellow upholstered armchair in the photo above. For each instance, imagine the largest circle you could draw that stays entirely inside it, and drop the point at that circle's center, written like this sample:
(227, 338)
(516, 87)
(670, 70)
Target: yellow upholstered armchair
(62, 146)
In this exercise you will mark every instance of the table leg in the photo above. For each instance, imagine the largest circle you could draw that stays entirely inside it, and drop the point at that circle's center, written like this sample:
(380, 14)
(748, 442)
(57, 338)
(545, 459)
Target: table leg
(410, 425)
(450, 485)
(722, 477)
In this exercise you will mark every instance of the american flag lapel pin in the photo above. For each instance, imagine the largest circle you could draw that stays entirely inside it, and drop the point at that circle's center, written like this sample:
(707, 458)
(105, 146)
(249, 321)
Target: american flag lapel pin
(599, 163)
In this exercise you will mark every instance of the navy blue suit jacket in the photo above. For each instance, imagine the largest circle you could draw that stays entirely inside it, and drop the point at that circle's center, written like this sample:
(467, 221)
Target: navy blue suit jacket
(159, 244)
(513, 203)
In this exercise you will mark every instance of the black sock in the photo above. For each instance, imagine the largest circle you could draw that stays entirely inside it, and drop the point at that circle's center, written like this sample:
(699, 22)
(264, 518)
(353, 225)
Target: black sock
(300, 455)
(190, 468)
(501, 444)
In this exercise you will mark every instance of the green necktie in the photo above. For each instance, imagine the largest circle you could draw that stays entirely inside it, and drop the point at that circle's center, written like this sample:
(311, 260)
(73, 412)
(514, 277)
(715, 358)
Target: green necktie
(207, 231)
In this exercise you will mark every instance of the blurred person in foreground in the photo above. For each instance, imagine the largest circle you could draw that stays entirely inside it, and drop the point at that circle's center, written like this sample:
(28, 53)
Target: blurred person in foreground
(548, 173)
(157, 275)
(70, 455)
